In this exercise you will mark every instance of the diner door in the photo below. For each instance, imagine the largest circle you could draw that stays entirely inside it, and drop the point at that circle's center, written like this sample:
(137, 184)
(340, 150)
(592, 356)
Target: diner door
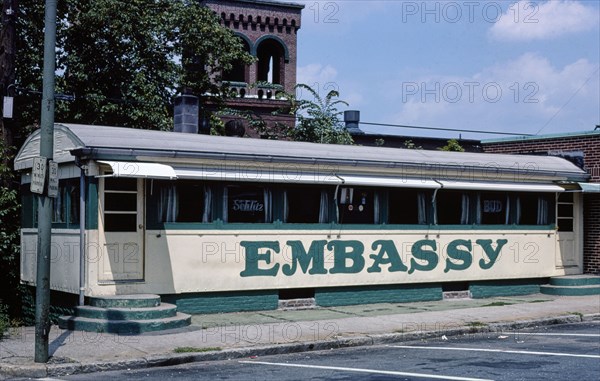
(121, 230)
(568, 256)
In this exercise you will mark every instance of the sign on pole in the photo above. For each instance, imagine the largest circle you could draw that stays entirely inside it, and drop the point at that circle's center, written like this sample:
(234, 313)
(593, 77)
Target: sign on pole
(38, 175)
(52, 179)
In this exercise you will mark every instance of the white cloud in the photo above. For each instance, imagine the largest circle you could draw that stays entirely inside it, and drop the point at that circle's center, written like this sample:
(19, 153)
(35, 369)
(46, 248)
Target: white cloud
(323, 78)
(523, 95)
(527, 20)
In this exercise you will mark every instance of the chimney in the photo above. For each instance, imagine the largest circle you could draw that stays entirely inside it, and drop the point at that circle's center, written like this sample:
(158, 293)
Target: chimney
(352, 119)
(187, 108)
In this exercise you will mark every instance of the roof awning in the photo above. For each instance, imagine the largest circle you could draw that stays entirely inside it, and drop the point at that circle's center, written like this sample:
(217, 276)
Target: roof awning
(493, 186)
(589, 187)
(296, 176)
(140, 170)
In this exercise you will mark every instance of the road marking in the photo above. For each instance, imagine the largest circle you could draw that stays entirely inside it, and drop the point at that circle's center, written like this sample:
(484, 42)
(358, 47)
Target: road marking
(360, 370)
(556, 334)
(497, 351)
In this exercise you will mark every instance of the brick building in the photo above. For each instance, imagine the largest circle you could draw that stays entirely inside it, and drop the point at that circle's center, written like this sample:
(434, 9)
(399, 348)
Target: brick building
(583, 148)
(268, 30)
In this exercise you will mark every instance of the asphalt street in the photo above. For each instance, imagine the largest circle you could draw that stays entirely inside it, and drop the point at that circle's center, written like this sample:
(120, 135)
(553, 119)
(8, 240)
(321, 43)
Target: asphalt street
(561, 352)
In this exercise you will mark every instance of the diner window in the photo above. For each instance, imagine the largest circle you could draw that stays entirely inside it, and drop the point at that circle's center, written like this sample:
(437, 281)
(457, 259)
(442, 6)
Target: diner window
(565, 212)
(306, 205)
(409, 206)
(533, 209)
(247, 203)
(183, 201)
(449, 207)
(358, 206)
(65, 206)
(494, 208)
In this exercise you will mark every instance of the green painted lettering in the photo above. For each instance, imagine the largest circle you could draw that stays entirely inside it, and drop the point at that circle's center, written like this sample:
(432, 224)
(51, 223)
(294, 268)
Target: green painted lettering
(344, 251)
(464, 257)
(315, 254)
(254, 255)
(388, 255)
(429, 256)
(492, 254)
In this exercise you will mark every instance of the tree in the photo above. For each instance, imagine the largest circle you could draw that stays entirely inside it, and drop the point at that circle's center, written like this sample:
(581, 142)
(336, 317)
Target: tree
(318, 120)
(453, 145)
(121, 62)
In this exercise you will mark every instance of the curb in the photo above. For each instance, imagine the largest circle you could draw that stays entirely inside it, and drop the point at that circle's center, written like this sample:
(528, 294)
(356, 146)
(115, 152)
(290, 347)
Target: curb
(58, 370)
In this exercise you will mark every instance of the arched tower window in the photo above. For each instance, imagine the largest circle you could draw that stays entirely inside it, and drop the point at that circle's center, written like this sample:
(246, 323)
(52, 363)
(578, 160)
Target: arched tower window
(271, 61)
(239, 71)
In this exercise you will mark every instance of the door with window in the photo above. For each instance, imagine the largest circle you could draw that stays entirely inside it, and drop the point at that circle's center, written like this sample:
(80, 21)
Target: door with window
(567, 251)
(121, 228)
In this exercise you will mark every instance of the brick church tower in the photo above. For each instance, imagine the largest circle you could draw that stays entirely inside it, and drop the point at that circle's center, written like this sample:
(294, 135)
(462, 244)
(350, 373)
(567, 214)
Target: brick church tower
(268, 30)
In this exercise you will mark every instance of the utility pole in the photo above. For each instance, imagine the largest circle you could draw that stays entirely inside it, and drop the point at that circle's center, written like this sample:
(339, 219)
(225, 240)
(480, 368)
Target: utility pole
(42, 294)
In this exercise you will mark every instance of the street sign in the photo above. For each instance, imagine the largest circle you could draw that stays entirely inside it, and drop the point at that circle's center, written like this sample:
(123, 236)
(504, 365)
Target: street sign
(52, 179)
(7, 110)
(38, 175)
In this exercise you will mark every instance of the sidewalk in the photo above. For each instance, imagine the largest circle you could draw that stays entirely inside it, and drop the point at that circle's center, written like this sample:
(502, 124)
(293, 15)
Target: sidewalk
(237, 335)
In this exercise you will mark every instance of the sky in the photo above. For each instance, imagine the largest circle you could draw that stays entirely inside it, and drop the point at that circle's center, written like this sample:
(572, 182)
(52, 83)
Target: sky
(526, 67)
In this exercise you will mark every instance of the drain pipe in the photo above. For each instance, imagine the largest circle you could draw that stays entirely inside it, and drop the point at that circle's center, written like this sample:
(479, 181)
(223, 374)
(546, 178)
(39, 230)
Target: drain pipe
(82, 192)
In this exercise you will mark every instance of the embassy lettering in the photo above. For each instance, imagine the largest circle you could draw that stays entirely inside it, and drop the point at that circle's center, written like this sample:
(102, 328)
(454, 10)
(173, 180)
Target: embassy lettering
(349, 257)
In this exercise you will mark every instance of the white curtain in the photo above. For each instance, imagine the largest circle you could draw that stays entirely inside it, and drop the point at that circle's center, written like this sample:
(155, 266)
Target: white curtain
(324, 208)
(376, 208)
(478, 216)
(286, 207)
(422, 208)
(507, 213)
(268, 206)
(542, 214)
(225, 204)
(168, 205)
(465, 210)
(207, 214)
(517, 218)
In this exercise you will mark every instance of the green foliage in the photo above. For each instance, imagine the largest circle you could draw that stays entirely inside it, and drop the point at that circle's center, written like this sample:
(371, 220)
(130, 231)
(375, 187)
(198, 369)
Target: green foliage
(318, 120)
(123, 61)
(453, 145)
(409, 144)
(9, 235)
(379, 142)
(4, 320)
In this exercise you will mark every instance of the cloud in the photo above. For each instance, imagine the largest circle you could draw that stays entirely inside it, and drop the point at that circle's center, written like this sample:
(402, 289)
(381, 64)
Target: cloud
(324, 78)
(527, 20)
(524, 95)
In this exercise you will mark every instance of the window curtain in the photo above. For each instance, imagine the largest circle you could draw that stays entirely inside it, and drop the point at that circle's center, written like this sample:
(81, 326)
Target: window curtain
(465, 210)
(478, 216)
(507, 212)
(422, 208)
(517, 217)
(207, 214)
(268, 206)
(57, 210)
(376, 208)
(324, 208)
(225, 204)
(286, 207)
(542, 211)
(168, 205)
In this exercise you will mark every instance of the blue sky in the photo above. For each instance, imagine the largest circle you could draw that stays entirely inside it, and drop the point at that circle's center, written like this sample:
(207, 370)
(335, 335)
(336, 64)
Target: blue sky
(527, 67)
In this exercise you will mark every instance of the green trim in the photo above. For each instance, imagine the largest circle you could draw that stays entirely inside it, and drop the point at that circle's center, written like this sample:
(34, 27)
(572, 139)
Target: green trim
(347, 296)
(541, 137)
(570, 290)
(219, 302)
(278, 225)
(511, 287)
(577, 280)
(91, 204)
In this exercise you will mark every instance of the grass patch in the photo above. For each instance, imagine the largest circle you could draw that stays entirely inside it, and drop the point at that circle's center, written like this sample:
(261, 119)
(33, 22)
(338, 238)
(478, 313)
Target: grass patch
(476, 324)
(196, 350)
(4, 320)
(497, 304)
(577, 313)
(539, 301)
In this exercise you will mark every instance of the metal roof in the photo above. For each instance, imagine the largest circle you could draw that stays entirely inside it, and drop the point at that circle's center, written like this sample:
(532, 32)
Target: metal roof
(103, 142)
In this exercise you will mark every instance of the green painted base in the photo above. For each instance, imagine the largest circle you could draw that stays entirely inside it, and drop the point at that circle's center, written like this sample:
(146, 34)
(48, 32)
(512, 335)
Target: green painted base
(575, 280)
(126, 301)
(571, 290)
(346, 296)
(161, 312)
(490, 289)
(218, 302)
(124, 326)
